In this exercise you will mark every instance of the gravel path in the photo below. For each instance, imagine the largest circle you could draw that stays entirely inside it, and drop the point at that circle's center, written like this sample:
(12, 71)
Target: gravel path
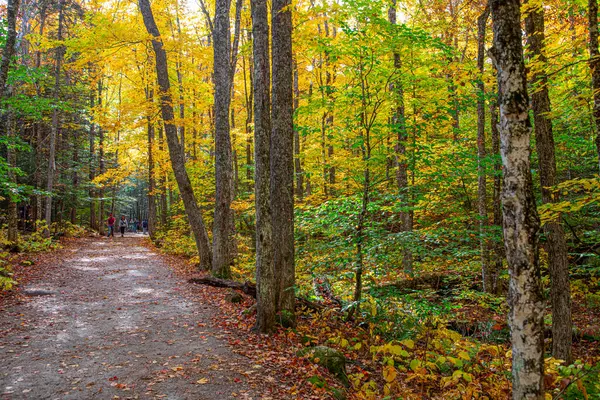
(112, 321)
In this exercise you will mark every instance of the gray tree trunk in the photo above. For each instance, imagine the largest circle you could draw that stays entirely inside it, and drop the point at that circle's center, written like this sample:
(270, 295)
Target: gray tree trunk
(498, 245)
(224, 224)
(399, 127)
(520, 219)
(151, 180)
(92, 169)
(267, 285)
(175, 150)
(60, 52)
(282, 156)
(556, 246)
(595, 66)
(12, 9)
(487, 275)
(299, 173)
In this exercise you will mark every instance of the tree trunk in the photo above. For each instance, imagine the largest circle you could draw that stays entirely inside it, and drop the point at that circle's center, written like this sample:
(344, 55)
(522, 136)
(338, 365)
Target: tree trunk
(223, 227)
(556, 246)
(498, 245)
(282, 155)
(8, 52)
(151, 181)
(92, 168)
(60, 51)
(595, 66)
(12, 9)
(266, 282)
(299, 173)
(399, 127)
(101, 166)
(175, 151)
(520, 219)
(487, 275)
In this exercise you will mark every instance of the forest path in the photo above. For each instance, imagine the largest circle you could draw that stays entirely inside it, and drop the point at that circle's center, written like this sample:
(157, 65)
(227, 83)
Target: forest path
(117, 324)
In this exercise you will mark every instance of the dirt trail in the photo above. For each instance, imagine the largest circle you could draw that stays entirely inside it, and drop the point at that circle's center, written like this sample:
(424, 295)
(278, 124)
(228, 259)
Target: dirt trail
(118, 324)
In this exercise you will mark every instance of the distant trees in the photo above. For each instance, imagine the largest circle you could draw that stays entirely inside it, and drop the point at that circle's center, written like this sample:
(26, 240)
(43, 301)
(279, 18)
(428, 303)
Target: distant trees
(176, 152)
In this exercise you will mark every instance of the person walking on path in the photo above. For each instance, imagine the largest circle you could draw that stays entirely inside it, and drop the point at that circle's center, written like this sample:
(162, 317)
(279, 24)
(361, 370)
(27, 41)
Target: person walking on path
(123, 225)
(111, 225)
(145, 226)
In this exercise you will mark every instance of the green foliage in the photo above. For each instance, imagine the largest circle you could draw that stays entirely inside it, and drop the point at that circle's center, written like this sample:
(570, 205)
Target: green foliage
(38, 241)
(6, 281)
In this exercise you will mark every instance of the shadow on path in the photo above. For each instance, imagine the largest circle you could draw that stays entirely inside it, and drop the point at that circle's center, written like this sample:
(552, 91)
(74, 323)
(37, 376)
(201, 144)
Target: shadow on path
(112, 321)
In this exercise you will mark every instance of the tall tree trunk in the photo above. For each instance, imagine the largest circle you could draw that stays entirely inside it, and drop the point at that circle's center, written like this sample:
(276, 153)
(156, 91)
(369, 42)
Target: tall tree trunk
(282, 155)
(92, 168)
(60, 51)
(8, 52)
(151, 181)
(556, 246)
(75, 178)
(299, 173)
(498, 245)
(12, 9)
(11, 160)
(399, 127)
(595, 67)
(101, 164)
(175, 150)
(223, 227)
(266, 282)
(249, 98)
(162, 184)
(520, 219)
(487, 275)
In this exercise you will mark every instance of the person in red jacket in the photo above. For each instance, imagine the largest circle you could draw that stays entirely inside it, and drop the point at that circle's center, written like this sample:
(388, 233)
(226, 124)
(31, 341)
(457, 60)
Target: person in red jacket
(111, 225)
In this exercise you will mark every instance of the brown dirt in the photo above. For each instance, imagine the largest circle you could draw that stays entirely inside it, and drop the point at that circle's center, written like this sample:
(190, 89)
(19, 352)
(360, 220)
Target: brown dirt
(119, 324)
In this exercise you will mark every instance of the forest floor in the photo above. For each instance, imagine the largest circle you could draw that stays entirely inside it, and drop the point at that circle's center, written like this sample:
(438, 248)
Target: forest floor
(110, 319)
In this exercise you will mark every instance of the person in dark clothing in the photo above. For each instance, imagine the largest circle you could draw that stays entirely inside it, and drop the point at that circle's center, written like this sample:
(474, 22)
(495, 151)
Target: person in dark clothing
(145, 226)
(123, 225)
(111, 225)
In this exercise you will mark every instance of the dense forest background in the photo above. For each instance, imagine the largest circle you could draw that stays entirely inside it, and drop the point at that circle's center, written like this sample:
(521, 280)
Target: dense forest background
(397, 173)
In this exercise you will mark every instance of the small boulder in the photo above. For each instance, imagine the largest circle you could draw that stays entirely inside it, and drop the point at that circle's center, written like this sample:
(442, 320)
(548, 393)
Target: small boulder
(234, 297)
(332, 359)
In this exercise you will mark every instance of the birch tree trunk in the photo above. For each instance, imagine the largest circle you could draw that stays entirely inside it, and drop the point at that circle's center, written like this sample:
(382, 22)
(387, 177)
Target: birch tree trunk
(223, 227)
(282, 156)
(175, 150)
(266, 282)
(520, 219)
(556, 246)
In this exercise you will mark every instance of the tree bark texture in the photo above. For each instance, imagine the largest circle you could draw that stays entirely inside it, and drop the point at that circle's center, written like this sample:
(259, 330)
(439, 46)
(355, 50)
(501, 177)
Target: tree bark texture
(223, 227)
(497, 206)
(595, 67)
(556, 246)
(267, 285)
(282, 154)
(175, 150)
(60, 52)
(520, 219)
(151, 180)
(487, 275)
(399, 127)
(12, 9)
